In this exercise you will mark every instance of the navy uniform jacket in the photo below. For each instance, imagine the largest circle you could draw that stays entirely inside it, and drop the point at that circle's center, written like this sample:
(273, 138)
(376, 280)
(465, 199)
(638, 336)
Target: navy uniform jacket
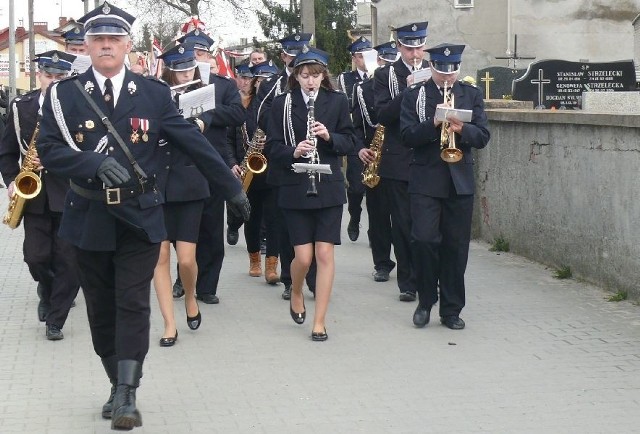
(229, 112)
(180, 180)
(346, 81)
(68, 145)
(362, 108)
(394, 163)
(429, 174)
(24, 112)
(332, 110)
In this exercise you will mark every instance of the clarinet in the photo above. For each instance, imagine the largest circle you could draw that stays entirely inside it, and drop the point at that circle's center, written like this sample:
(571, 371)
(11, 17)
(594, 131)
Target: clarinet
(312, 155)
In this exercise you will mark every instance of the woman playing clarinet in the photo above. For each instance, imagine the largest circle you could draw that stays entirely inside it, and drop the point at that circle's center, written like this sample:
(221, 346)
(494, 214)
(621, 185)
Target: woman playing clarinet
(311, 124)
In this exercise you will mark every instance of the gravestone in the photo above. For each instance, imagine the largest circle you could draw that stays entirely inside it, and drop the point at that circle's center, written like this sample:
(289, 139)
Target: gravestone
(496, 82)
(560, 83)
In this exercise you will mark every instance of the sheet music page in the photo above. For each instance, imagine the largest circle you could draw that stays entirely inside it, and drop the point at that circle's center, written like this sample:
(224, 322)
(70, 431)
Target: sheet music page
(205, 71)
(81, 63)
(442, 113)
(421, 75)
(197, 101)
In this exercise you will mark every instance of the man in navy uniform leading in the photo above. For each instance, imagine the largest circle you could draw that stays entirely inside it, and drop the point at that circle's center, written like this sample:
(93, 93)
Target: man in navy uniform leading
(365, 123)
(442, 191)
(389, 83)
(228, 112)
(113, 213)
(346, 82)
(50, 258)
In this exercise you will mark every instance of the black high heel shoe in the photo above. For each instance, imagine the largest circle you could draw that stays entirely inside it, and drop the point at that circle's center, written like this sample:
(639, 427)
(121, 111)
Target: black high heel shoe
(319, 336)
(170, 341)
(194, 321)
(298, 318)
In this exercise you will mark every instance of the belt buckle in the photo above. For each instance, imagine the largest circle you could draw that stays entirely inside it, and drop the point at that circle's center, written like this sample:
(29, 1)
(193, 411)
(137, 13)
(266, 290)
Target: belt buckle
(113, 196)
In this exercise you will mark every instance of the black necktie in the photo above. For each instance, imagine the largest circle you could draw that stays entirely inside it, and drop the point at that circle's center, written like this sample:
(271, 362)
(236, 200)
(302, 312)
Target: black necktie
(365, 76)
(108, 95)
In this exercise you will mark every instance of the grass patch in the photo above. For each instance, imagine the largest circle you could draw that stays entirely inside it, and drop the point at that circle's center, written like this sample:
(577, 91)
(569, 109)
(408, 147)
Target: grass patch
(500, 244)
(563, 272)
(618, 296)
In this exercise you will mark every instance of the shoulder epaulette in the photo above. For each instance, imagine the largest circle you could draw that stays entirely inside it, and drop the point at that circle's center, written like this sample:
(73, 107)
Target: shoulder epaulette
(153, 79)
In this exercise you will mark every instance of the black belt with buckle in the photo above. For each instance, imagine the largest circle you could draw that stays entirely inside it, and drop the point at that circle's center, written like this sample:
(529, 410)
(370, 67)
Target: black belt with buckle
(110, 196)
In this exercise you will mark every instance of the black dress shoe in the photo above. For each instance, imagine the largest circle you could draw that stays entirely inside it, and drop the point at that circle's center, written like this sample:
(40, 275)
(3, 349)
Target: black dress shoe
(43, 310)
(453, 322)
(170, 341)
(232, 236)
(178, 289)
(208, 298)
(298, 318)
(407, 296)
(353, 230)
(194, 321)
(319, 336)
(381, 276)
(286, 294)
(54, 333)
(421, 316)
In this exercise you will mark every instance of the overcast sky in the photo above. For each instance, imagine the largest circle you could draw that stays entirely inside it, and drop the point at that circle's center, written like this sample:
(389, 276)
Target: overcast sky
(51, 10)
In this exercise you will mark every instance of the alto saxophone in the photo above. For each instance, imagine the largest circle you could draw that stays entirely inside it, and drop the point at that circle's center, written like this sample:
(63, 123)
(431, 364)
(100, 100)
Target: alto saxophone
(254, 161)
(27, 184)
(370, 176)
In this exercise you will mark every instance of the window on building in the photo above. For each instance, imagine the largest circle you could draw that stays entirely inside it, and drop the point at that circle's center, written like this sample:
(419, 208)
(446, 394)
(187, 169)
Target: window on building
(463, 4)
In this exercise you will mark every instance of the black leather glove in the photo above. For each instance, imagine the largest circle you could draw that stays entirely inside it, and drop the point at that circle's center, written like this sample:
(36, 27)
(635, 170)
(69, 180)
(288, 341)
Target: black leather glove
(240, 206)
(112, 173)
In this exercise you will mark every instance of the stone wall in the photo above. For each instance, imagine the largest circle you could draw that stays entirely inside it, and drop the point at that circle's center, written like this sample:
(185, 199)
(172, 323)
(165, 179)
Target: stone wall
(562, 188)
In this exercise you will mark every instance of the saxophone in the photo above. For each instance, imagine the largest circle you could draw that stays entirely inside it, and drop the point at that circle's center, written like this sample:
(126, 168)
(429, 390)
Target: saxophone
(370, 176)
(27, 184)
(254, 160)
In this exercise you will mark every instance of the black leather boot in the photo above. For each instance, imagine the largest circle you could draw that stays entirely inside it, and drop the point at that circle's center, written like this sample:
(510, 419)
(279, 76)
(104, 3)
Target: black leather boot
(111, 368)
(125, 415)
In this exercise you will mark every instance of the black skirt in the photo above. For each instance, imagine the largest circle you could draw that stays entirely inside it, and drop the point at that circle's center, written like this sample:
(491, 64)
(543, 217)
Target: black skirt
(182, 220)
(311, 225)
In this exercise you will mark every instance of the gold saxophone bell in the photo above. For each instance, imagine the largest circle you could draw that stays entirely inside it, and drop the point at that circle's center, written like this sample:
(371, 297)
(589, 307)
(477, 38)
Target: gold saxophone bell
(27, 184)
(254, 161)
(449, 153)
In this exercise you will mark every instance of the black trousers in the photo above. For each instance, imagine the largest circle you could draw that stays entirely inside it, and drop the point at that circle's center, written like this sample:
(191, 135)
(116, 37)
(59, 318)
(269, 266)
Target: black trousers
(397, 194)
(210, 248)
(379, 228)
(287, 254)
(52, 263)
(264, 212)
(355, 189)
(116, 286)
(441, 247)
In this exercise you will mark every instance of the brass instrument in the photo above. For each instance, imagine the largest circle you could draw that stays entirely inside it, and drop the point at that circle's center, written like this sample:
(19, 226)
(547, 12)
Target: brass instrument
(449, 153)
(254, 161)
(27, 184)
(370, 176)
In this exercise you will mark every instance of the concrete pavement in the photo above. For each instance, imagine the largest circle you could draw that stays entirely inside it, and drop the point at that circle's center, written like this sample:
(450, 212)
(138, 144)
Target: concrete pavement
(539, 355)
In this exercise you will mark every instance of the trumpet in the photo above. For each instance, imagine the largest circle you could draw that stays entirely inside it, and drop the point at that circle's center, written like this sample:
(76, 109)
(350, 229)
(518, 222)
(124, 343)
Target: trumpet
(449, 153)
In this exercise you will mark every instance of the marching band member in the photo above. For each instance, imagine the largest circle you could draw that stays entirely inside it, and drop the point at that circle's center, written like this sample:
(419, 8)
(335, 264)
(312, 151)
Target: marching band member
(261, 194)
(389, 84)
(313, 222)
(74, 41)
(269, 89)
(229, 112)
(365, 122)
(441, 192)
(50, 258)
(355, 189)
(185, 190)
(113, 211)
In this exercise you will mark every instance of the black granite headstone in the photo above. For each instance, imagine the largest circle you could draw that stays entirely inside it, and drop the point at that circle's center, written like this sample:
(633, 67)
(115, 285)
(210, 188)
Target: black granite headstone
(560, 83)
(496, 81)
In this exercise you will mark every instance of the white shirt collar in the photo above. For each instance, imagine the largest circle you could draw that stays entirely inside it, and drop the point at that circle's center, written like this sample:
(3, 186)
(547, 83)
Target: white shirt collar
(116, 81)
(362, 73)
(305, 97)
(410, 67)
